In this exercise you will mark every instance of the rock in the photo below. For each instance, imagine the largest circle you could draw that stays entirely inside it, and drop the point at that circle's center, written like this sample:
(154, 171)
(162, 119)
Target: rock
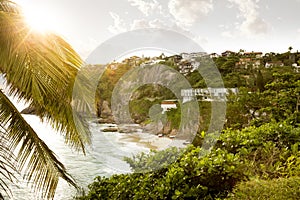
(154, 128)
(108, 120)
(167, 128)
(110, 129)
(29, 111)
(138, 121)
(105, 110)
(173, 132)
(129, 128)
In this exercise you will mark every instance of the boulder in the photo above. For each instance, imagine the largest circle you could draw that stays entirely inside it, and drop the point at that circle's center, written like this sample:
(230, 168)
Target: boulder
(129, 128)
(154, 128)
(110, 129)
(106, 116)
(167, 128)
(105, 110)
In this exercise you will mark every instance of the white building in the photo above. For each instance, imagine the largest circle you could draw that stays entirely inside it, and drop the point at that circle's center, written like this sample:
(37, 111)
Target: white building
(296, 67)
(190, 56)
(207, 94)
(167, 105)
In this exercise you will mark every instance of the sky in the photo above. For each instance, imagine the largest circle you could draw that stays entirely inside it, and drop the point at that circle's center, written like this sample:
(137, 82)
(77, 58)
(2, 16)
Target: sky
(216, 25)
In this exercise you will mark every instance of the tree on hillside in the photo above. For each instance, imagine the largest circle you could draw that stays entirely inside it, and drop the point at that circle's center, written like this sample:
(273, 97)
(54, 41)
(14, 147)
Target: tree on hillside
(40, 69)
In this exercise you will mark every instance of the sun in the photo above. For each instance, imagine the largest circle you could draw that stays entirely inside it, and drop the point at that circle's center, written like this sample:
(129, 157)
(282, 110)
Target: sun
(40, 20)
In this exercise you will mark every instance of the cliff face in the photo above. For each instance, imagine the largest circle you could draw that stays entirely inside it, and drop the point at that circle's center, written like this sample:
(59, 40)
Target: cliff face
(165, 128)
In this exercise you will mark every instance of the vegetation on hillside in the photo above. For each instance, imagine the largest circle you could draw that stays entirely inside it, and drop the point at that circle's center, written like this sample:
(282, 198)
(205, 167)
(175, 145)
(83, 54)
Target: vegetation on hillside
(267, 152)
(256, 156)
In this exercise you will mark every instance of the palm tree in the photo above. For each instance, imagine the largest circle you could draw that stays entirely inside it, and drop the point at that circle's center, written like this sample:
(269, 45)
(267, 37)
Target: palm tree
(40, 69)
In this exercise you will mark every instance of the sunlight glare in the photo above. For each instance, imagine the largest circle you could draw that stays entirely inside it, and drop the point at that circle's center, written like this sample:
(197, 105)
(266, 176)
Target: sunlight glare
(40, 20)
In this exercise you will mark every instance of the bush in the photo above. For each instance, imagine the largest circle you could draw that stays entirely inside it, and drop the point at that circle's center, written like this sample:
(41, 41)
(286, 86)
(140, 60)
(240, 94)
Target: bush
(190, 177)
(275, 189)
(270, 151)
(267, 152)
(283, 135)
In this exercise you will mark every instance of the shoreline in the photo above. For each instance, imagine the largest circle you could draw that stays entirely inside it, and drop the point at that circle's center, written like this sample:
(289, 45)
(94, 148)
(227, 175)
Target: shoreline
(152, 141)
(147, 140)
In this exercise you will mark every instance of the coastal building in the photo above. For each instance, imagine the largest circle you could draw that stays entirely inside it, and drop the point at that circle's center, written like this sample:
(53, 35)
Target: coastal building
(207, 94)
(167, 105)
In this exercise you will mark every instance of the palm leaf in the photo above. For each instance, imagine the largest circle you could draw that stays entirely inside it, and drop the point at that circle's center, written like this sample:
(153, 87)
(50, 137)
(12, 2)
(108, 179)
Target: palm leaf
(40, 69)
(7, 164)
(33, 156)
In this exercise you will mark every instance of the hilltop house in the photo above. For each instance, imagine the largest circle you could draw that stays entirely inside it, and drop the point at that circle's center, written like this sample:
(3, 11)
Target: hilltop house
(252, 54)
(274, 64)
(193, 56)
(296, 67)
(214, 55)
(189, 62)
(250, 59)
(227, 53)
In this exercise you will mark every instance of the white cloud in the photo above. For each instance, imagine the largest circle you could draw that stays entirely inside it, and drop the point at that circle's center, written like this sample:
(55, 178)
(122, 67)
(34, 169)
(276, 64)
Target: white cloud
(227, 34)
(158, 23)
(146, 7)
(253, 23)
(187, 12)
(144, 23)
(119, 24)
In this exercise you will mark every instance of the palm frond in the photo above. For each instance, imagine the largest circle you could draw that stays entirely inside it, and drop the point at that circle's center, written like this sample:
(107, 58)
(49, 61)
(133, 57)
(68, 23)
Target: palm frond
(7, 164)
(40, 69)
(39, 163)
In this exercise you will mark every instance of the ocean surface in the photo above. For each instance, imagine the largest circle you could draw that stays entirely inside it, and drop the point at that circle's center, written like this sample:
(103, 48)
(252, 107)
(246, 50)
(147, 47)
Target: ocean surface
(103, 158)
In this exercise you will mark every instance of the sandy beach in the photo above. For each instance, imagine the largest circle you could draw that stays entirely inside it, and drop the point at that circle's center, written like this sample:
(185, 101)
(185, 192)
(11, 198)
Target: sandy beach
(152, 141)
(135, 134)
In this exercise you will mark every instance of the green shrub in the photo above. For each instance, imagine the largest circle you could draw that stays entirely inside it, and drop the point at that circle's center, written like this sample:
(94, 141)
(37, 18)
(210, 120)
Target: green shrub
(275, 189)
(266, 152)
(283, 135)
(270, 151)
(190, 177)
(154, 160)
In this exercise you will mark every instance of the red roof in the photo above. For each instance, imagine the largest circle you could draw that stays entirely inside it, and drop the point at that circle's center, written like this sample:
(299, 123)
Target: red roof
(168, 102)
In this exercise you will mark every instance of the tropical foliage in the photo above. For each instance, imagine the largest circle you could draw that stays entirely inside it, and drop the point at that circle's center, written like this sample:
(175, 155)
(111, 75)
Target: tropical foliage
(265, 153)
(40, 69)
(258, 148)
(274, 189)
